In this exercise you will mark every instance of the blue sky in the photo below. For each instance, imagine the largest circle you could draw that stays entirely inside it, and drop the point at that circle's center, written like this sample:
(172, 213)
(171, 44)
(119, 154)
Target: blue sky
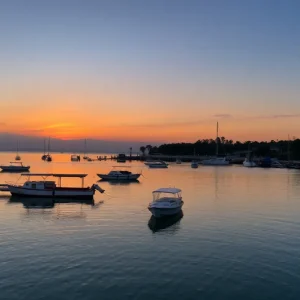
(192, 59)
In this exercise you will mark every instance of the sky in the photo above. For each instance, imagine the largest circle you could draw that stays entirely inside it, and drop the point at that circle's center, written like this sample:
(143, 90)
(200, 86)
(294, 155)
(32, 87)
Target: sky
(152, 70)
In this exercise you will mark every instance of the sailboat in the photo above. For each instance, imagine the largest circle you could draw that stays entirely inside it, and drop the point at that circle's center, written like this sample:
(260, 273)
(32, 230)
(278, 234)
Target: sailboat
(45, 155)
(18, 157)
(85, 156)
(49, 157)
(248, 162)
(217, 161)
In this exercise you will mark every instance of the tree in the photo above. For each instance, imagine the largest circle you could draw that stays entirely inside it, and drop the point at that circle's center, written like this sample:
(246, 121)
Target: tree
(149, 148)
(143, 149)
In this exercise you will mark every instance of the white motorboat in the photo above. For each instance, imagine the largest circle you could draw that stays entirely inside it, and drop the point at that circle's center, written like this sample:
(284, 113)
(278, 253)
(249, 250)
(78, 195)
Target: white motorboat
(166, 202)
(157, 164)
(15, 167)
(249, 163)
(217, 161)
(50, 189)
(119, 175)
(75, 157)
(194, 165)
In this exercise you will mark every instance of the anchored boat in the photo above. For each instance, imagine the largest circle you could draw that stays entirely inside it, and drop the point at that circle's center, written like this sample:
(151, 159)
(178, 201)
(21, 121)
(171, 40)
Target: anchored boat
(166, 202)
(120, 175)
(45, 188)
(156, 164)
(15, 166)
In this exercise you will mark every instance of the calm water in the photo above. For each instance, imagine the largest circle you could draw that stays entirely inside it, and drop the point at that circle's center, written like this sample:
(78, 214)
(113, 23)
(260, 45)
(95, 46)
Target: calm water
(238, 237)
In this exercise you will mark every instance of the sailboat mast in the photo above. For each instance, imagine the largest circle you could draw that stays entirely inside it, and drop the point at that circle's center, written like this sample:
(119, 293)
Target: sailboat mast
(44, 146)
(289, 151)
(49, 146)
(217, 140)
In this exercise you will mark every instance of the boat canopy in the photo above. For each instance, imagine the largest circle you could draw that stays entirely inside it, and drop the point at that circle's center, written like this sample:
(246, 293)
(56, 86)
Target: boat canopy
(167, 190)
(54, 175)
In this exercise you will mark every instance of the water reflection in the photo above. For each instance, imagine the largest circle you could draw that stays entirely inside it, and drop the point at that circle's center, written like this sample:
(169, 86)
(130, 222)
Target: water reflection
(47, 202)
(158, 224)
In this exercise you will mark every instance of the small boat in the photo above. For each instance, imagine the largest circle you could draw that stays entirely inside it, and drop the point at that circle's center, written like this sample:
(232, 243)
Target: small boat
(178, 161)
(89, 159)
(166, 202)
(18, 157)
(249, 163)
(157, 164)
(15, 167)
(194, 165)
(47, 157)
(75, 157)
(49, 189)
(276, 164)
(121, 158)
(217, 161)
(120, 175)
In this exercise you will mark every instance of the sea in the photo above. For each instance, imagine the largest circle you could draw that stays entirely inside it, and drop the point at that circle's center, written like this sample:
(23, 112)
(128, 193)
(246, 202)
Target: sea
(238, 236)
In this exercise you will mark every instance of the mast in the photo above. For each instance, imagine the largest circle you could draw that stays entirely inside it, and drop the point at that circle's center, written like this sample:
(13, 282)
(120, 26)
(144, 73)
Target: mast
(17, 147)
(44, 146)
(49, 146)
(217, 140)
(289, 152)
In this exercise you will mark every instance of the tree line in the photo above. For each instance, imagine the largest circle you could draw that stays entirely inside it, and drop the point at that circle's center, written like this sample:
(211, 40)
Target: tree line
(282, 149)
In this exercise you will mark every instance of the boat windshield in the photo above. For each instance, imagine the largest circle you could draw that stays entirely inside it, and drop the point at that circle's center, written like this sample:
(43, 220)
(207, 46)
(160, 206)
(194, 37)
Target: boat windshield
(164, 195)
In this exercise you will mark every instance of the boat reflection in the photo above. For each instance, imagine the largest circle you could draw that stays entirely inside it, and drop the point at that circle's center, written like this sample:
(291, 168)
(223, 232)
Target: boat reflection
(38, 202)
(158, 224)
(121, 182)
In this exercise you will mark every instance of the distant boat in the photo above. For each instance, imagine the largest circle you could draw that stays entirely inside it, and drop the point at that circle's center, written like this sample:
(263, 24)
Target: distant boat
(75, 157)
(121, 158)
(48, 156)
(18, 157)
(178, 161)
(15, 167)
(194, 165)
(85, 154)
(120, 175)
(157, 165)
(45, 155)
(217, 161)
(249, 163)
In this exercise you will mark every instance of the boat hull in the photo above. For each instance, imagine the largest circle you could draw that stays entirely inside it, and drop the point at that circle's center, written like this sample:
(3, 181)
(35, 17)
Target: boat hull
(14, 169)
(249, 164)
(164, 212)
(77, 193)
(215, 163)
(158, 166)
(131, 177)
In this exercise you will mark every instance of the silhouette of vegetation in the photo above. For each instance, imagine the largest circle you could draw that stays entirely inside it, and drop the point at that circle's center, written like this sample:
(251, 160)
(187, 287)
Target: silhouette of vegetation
(282, 149)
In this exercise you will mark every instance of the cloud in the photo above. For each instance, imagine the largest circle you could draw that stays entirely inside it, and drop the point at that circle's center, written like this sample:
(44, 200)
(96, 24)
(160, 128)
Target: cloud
(285, 116)
(158, 125)
(280, 116)
(223, 116)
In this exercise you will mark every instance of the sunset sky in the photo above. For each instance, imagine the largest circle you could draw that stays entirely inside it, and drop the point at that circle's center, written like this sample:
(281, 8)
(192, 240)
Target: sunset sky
(152, 70)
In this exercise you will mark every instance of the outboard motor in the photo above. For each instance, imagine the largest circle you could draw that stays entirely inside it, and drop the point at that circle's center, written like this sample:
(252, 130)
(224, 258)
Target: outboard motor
(98, 188)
